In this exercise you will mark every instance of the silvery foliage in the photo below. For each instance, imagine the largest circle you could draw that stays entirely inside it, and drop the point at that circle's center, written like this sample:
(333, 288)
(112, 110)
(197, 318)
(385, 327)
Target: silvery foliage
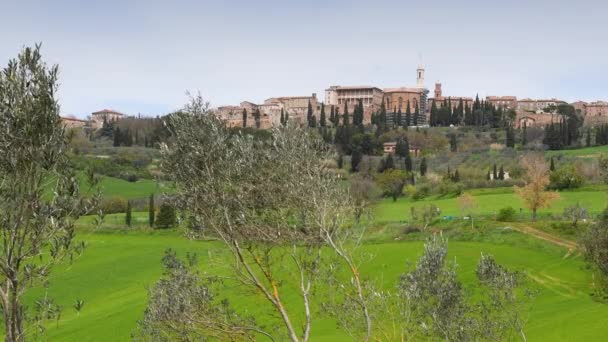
(182, 306)
(39, 191)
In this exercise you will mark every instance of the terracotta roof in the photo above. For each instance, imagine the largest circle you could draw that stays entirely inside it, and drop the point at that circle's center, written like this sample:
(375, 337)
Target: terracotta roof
(107, 111)
(293, 97)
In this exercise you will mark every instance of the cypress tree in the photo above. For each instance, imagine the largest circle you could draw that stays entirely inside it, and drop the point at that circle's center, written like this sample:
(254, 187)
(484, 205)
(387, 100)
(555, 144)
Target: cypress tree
(398, 119)
(309, 115)
(322, 115)
(282, 117)
(286, 117)
(501, 173)
(166, 216)
(510, 137)
(345, 117)
(355, 159)
(416, 113)
(456, 176)
(244, 117)
(495, 173)
(524, 135)
(402, 148)
(423, 167)
(407, 161)
(433, 117)
(453, 143)
(128, 214)
(257, 116)
(151, 211)
(588, 138)
(389, 163)
(408, 114)
(117, 138)
(552, 165)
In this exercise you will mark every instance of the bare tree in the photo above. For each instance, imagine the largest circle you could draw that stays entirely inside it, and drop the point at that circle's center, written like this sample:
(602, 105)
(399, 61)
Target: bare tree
(467, 204)
(536, 176)
(39, 192)
(264, 199)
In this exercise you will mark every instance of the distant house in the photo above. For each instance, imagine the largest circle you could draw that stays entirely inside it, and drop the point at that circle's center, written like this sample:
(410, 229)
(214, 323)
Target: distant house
(390, 148)
(73, 122)
(107, 114)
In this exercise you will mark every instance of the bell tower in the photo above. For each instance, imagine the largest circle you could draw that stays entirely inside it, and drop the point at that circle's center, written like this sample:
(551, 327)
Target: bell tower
(438, 94)
(420, 77)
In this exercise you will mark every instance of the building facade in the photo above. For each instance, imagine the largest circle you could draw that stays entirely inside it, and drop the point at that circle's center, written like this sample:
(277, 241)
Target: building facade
(506, 102)
(107, 115)
(531, 105)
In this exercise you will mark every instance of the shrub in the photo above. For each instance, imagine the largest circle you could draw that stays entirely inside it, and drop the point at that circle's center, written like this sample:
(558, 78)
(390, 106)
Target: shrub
(506, 214)
(566, 177)
(113, 205)
(166, 216)
(422, 191)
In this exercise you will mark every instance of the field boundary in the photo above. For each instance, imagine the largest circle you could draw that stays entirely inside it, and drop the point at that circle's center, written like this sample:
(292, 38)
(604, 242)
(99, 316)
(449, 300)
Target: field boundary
(539, 234)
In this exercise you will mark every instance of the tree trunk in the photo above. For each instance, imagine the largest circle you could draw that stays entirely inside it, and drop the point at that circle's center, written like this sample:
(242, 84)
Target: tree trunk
(534, 214)
(13, 320)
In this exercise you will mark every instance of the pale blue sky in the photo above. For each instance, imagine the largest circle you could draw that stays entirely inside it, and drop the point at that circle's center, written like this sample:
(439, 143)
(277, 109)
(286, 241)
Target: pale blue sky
(142, 56)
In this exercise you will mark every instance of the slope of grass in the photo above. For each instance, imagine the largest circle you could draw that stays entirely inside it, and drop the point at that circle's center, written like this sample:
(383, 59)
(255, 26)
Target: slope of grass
(489, 201)
(587, 152)
(111, 187)
(111, 277)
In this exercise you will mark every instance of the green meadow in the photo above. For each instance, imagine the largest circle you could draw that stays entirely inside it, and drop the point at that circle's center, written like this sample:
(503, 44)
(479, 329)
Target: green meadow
(489, 202)
(113, 273)
(119, 264)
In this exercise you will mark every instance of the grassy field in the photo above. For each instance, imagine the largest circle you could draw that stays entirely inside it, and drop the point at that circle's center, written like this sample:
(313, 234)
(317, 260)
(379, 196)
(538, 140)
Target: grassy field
(111, 187)
(587, 152)
(489, 201)
(112, 275)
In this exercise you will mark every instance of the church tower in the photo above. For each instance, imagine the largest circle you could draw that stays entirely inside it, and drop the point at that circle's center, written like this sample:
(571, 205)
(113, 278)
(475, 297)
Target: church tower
(420, 77)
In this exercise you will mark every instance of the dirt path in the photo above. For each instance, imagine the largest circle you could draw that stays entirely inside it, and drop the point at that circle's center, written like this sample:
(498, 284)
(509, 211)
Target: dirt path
(539, 234)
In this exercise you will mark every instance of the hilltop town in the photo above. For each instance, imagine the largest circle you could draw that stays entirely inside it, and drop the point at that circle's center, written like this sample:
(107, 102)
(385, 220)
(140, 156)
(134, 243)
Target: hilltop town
(416, 100)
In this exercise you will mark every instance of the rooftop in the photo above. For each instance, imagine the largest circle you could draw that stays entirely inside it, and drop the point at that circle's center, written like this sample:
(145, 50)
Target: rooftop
(107, 111)
(403, 90)
(359, 87)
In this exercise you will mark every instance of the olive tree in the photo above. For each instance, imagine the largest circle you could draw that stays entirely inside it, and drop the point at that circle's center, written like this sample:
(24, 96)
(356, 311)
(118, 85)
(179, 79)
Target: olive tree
(273, 203)
(39, 192)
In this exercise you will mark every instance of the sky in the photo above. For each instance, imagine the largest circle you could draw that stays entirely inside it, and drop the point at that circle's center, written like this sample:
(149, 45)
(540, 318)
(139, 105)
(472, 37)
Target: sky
(142, 57)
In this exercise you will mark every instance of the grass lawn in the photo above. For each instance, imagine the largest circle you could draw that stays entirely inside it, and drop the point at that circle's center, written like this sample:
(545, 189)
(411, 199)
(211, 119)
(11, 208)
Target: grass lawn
(112, 275)
(489, 201)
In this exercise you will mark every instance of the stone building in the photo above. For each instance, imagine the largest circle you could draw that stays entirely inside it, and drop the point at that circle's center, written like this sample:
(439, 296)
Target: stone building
(295, 106)
(107, 114)
(373, 97)
(535, 119)
(506, 102)
(270, 111)
(69, 122)
(531, 105)
(598, 108)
